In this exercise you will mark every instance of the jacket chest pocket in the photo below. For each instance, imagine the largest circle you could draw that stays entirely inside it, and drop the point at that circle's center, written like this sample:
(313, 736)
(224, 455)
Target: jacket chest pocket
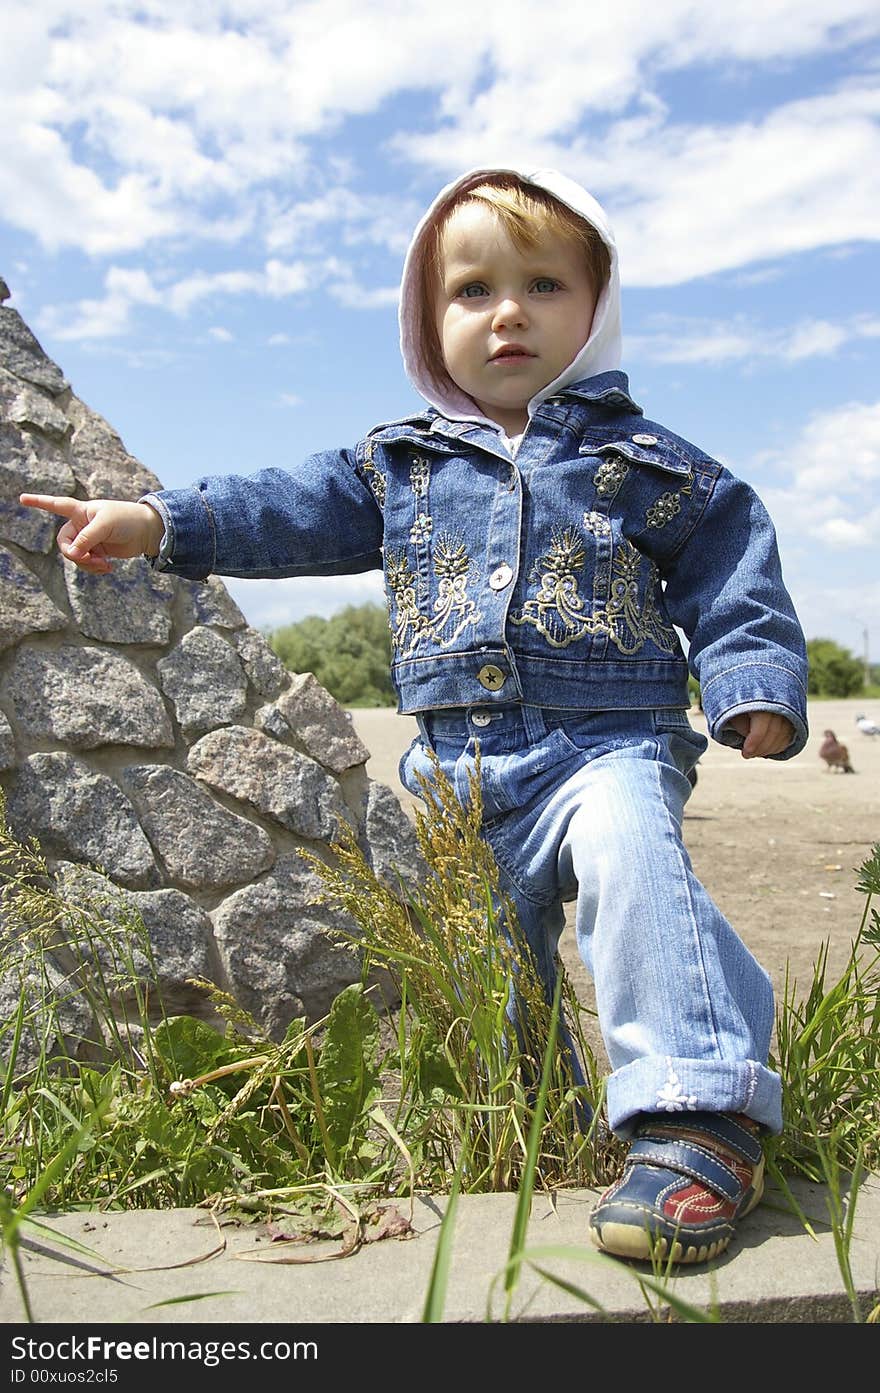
(654, 492)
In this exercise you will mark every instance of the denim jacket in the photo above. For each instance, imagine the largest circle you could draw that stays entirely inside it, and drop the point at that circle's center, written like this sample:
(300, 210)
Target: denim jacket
(562, 577)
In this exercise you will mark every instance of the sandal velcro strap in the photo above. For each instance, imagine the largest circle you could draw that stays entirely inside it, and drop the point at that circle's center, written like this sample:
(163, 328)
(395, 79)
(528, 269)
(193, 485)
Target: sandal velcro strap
(686, 1158)
(719, 1125)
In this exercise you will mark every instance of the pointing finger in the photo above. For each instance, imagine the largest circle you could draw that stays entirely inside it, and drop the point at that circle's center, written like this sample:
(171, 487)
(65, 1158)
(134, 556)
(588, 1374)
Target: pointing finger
(65, 507)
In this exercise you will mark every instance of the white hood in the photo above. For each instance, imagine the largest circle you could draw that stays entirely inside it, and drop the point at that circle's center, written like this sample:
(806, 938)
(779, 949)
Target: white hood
(600, 353)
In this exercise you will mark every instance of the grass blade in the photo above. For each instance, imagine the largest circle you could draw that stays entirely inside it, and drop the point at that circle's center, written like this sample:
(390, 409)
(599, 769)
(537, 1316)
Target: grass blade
(524, 1199)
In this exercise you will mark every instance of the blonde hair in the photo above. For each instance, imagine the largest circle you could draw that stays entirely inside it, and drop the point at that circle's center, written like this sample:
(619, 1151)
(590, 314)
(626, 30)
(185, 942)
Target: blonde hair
(527, 213)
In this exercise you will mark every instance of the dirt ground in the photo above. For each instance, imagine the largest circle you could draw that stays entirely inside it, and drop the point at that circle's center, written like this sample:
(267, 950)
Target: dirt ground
(777, 845)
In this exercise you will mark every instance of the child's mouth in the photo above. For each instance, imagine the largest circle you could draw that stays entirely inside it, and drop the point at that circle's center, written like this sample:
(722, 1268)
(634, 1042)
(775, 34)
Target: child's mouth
(506, 354)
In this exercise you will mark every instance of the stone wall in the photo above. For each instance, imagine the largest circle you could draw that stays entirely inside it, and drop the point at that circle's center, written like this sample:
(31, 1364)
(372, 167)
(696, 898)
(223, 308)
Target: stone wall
(147, 733)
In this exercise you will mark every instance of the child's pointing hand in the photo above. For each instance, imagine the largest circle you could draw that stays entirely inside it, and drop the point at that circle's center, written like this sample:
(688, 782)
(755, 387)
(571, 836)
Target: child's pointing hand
(97, 529)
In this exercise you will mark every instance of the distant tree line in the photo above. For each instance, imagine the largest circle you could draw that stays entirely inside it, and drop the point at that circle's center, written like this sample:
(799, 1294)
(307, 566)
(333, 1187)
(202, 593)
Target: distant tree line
(350, 654)
(835, 672)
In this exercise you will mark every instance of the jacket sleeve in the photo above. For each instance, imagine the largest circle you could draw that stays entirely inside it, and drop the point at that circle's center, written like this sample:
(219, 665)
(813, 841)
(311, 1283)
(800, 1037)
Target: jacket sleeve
(318, 519)
(726, 593)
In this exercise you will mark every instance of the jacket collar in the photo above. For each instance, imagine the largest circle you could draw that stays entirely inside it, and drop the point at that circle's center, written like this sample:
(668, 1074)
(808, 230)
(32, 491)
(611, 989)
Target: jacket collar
(606, 388)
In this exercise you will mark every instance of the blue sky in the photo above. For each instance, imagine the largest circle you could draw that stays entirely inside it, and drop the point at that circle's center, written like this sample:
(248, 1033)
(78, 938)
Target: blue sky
(204, 209)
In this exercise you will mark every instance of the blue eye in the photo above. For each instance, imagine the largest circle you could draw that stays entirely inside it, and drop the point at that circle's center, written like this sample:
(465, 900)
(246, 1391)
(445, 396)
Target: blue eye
(545, 285)
(472, 291)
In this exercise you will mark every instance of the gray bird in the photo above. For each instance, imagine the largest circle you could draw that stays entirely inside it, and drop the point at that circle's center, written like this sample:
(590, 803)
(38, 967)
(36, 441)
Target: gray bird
(835, 755)
(867, 726)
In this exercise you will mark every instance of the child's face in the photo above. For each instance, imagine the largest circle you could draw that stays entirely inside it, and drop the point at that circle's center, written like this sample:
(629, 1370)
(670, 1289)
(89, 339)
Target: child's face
(509, 321)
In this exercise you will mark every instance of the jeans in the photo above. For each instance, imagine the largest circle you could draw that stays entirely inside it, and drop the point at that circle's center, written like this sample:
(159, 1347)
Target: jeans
(587, 807)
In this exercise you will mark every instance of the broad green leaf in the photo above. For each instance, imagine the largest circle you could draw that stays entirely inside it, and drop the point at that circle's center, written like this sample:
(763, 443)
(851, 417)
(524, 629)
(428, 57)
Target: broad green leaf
(190, 1047)
(348, 1076)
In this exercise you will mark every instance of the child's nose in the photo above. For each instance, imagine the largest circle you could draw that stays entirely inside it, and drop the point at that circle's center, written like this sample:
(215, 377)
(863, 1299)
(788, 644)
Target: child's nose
(509, 313)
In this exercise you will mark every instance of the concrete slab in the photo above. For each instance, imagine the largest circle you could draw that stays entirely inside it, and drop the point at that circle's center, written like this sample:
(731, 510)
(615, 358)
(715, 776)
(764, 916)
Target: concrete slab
(183, 1266)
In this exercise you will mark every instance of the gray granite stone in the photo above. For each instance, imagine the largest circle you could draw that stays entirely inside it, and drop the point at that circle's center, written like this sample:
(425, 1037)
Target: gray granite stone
(25, 608)
(209, 602)
(143, 942)
(389, 840)
(279, 782)
(58, 1024)
(77, 814)
(85, 697)
(270, 719)
(204, 678)
(34, 410)
(102, 465)
(29, 464)
(21, 354)
(266, 672)
(202, 844)
(321, 726)
(7, 744)
(274, 942)
(130, 605)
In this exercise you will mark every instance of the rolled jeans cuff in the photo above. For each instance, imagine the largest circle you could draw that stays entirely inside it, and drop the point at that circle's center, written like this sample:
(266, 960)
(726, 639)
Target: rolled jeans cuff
(666, 1085)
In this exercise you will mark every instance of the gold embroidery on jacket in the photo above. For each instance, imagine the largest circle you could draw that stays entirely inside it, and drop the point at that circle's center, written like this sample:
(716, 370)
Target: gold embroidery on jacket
(422, 528)
(454, 610)
(557, 610)
(454, 569)
(610, 475)
(408, 624)
(663, 510)
(631, 625)
(597, 524)
(375, 477)
(419, 473)
(558, 613)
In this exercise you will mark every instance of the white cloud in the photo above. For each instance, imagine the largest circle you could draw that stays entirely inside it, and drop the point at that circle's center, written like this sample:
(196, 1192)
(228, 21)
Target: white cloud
(744, 340)
(843, 612)
(357, 297)
(219, 285)
(128, 124)
(841, 449)
(843, 532)
(382, 220)
(108, 317)
(221, 335)
(710, 199)
(831, 481)
(124, 289)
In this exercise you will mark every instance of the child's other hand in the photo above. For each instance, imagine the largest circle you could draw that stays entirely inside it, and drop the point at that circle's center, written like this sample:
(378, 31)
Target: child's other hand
(765, 732)
(99, 528)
